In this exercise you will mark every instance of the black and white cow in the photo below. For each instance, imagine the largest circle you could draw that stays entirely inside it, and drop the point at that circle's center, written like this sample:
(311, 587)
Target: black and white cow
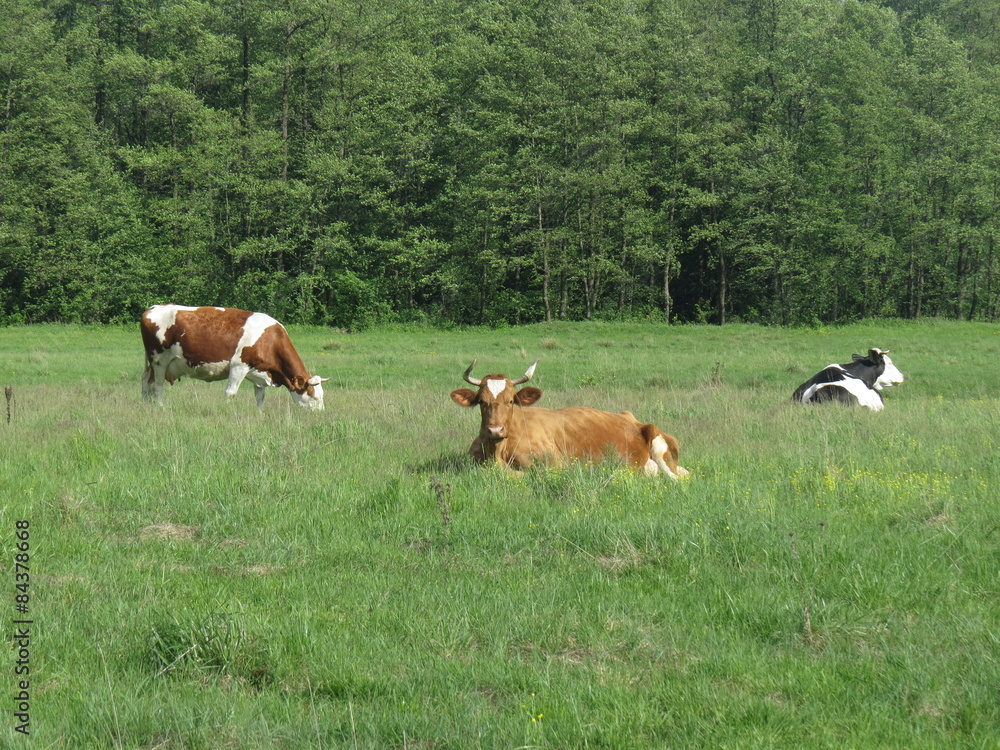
(858, 382)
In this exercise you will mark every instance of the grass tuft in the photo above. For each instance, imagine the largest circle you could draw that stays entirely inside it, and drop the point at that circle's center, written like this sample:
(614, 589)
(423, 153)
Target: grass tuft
(169, 531)
(213, 645)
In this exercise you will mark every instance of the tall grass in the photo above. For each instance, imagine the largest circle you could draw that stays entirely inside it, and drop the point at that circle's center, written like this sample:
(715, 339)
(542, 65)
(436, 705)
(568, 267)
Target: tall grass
(205, 575)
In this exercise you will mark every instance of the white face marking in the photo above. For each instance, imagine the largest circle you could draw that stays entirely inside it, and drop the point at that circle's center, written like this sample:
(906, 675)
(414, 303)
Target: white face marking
(496, 386)
(314, 402)
(891, 375)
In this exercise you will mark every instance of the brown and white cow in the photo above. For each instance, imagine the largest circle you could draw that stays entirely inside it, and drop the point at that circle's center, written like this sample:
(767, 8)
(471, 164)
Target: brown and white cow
(515, 435)
(219, 343)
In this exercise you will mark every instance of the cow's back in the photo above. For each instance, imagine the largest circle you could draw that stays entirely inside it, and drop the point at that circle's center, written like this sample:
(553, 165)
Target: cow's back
(829, 374)
(580, 432)
(197, 342)
(204, 334)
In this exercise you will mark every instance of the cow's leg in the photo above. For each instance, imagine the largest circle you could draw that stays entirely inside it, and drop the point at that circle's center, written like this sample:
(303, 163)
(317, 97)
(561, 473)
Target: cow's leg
(147, 382)
(259, 391)
(477, 452)
(238, 371)
(159, 375)
(152, 380)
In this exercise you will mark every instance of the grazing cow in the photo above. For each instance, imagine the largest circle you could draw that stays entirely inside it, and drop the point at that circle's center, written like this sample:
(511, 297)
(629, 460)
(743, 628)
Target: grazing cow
(218, 343)
(858, 382)
(515, 435)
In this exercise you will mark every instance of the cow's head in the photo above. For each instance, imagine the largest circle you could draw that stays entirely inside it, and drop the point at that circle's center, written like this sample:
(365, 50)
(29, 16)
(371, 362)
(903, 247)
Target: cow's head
(497, 399)
(309, 393)
(890, 374)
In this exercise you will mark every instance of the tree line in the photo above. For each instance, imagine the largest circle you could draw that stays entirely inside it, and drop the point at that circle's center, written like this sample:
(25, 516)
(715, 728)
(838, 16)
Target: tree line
(347, 162)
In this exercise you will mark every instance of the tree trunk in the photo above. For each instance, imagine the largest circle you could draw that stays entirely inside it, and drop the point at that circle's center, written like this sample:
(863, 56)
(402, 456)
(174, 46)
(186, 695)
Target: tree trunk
(545, 264)
(723, 281)
(285, 100)
(666, 292)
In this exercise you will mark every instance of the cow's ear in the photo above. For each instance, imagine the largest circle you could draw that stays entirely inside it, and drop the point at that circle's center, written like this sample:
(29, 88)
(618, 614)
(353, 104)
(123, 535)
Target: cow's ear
(527, 396)
(464, 397)
(875, 355)
(857, 357)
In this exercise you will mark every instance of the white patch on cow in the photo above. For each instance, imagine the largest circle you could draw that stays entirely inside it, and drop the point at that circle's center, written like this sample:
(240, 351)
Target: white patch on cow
(657, 449)
(864, 395)
(262, 379)
(496, 386)
(173, 364)
(890, 376)
(164, 316)
(237, 369)
(253, 329)
(207, 371)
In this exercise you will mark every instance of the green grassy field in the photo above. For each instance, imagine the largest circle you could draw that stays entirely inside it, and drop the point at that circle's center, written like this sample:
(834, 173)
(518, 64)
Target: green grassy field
(204, 575)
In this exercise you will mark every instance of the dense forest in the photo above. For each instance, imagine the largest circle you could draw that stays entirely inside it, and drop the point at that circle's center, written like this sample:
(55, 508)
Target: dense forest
(349, 162)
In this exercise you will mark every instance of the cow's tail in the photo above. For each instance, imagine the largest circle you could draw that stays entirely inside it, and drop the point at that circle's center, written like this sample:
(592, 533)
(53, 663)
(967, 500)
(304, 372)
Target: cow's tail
(664, 451)
(148, 342)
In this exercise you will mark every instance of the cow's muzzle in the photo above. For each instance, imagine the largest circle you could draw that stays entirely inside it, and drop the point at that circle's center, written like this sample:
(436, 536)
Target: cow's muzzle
(496, 433)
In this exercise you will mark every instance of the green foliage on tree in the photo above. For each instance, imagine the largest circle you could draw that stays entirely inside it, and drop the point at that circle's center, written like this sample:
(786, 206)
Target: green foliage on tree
(346, 163)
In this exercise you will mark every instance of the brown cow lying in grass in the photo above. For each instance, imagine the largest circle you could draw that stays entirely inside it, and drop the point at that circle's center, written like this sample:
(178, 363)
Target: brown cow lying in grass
(515, 435)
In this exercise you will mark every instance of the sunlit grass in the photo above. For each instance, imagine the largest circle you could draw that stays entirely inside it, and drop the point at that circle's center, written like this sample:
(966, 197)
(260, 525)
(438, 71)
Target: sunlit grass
(206, 575)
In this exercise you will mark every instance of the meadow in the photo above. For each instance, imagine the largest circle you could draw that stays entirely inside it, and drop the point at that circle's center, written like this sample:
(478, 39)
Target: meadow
(207, 575)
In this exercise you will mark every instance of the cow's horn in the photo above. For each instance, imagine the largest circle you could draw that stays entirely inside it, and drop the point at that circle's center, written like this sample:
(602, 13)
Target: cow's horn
(527, 376)
(467, 376)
